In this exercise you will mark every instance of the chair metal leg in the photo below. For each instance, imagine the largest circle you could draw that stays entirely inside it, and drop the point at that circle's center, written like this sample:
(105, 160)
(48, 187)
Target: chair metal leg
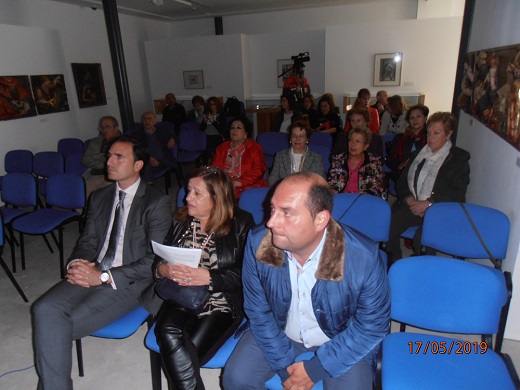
(55, 239)
(13, 280)
(11, 246)
(79, 354)
(22, 250)
(60, 248)
(155, 368)
(48, 243)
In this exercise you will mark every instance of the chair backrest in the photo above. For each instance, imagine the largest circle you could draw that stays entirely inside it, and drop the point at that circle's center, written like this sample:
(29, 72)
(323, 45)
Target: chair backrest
(18, 161)
(325, 155)
(255, 200)
(66, 190)
(323, 139)
(447, 229)
(448, 295)
(46, 164)
(181, 197)
(271, 143)
(367, 214)
(191, 139)
(19, 189)
(86, 143)
(68, 146)
(73, 164)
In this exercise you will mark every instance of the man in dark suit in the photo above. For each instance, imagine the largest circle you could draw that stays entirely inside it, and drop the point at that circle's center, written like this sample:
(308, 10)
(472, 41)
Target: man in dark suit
(174, 112)
(109, 272)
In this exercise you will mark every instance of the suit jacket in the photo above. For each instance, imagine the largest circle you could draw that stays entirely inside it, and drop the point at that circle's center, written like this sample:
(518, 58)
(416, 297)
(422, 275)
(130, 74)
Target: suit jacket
(282, 165)
(149, 219)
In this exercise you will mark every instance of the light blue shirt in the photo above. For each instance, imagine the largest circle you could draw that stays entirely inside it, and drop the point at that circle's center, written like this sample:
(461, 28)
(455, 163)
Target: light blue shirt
(302, 325)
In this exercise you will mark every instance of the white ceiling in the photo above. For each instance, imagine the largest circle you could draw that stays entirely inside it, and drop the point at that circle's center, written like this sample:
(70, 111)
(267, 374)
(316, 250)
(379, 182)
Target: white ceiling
(173, 10)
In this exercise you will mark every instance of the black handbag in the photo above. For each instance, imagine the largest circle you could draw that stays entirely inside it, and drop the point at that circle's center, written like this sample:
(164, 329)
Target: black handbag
(193, 299)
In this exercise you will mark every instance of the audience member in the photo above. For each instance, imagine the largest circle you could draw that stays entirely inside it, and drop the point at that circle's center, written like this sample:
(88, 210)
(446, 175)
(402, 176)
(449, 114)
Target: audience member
(108, 275)
(210, 222)
(439, 172)
(242, 158)
(363, 100)
(310, 285)
(173, 112)
(358, 117)
(394, 119)
(381, 102)
(159, 145)
(413, 138)
(309, 109)
(328, 120)
(197, 113)
(357, 171)
(299, 157)
(215, 125)
(287, 115)
(95, 156)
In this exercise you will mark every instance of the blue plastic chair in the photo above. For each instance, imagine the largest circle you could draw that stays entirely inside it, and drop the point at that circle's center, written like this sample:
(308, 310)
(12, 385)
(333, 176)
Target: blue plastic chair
(19, 195)
(73, 164)
(445, 295)
(323, 139)
(447, 229)
(4, 265)
(46, 164)
(66, 192)
(181, 197)
(325, 155)
(272, 143)
(68, 146)
(254, 200)
(18, 161)
(217, 361)
(124, 327)
(367, 214)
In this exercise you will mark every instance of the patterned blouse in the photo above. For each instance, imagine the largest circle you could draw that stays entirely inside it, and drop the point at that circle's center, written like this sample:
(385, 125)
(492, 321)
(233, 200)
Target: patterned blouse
(370, 175)
(209, 260)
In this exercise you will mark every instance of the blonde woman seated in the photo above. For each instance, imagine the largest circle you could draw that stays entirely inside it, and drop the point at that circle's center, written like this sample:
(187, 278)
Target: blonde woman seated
(357, 171)
(299, 157)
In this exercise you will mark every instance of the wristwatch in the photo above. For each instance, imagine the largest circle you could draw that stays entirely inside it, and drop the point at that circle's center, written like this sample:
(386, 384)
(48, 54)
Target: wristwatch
(104, 277)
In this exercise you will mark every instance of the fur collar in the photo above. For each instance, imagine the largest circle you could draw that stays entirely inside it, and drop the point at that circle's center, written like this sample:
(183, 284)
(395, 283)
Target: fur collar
(332, 261)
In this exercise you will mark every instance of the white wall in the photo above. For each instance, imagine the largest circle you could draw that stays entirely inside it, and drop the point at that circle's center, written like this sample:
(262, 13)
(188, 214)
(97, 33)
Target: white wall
(495, 175)
(429, 60)
(78, 35)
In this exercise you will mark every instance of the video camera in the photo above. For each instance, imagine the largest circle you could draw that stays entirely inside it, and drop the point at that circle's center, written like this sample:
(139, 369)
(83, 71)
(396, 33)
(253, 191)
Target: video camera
(300, 59)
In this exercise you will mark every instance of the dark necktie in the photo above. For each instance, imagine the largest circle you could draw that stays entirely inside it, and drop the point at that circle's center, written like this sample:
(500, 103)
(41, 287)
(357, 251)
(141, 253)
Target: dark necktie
(108, 259)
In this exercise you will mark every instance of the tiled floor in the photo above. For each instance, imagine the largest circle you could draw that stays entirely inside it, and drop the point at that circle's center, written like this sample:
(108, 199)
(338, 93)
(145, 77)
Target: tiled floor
(109, 364)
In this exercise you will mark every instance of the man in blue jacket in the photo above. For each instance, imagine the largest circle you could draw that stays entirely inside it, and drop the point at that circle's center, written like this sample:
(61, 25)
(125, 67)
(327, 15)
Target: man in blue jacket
(310, 285)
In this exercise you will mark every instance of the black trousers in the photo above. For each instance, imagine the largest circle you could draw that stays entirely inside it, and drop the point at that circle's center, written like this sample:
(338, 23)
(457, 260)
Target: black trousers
(187, 342)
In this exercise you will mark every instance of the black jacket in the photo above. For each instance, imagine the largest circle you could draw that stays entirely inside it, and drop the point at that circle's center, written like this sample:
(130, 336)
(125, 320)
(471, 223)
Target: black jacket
(230, 252)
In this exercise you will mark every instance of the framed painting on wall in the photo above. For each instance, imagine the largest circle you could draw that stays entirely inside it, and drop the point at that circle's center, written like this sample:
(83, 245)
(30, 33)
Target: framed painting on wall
(89, 85)
(16, 99)
(49, 93)
(283, 71)
(387, 69)
(193, 79)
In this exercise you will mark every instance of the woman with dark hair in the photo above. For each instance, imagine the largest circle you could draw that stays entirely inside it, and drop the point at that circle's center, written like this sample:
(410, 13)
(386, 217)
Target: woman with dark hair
(242, 158)
(197, 113)
(394, 119)
(215, 125)
(309, 109)
(438, 172)
(212, 223)
(357, 171)
(299, 157)
(363, 101)
(328, 120)
(287, 114)
(413, 138)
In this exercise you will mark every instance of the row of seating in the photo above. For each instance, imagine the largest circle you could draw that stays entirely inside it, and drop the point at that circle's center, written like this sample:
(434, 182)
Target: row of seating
(434, 293)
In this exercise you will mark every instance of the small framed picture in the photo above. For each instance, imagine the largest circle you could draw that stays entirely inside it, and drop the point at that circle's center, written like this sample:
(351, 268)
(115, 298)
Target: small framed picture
(193, 79)
(283, 71)
(387, 69)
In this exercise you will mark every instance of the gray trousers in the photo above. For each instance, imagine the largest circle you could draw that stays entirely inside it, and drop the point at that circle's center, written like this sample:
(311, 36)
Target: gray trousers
(247, 368)
(67, 312)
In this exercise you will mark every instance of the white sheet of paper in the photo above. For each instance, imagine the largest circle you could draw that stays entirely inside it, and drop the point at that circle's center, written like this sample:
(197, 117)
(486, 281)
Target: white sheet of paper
(174, 255)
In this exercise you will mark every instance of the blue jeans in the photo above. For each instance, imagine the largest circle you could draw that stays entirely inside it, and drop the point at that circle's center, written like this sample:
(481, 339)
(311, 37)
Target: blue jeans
(247, 368)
